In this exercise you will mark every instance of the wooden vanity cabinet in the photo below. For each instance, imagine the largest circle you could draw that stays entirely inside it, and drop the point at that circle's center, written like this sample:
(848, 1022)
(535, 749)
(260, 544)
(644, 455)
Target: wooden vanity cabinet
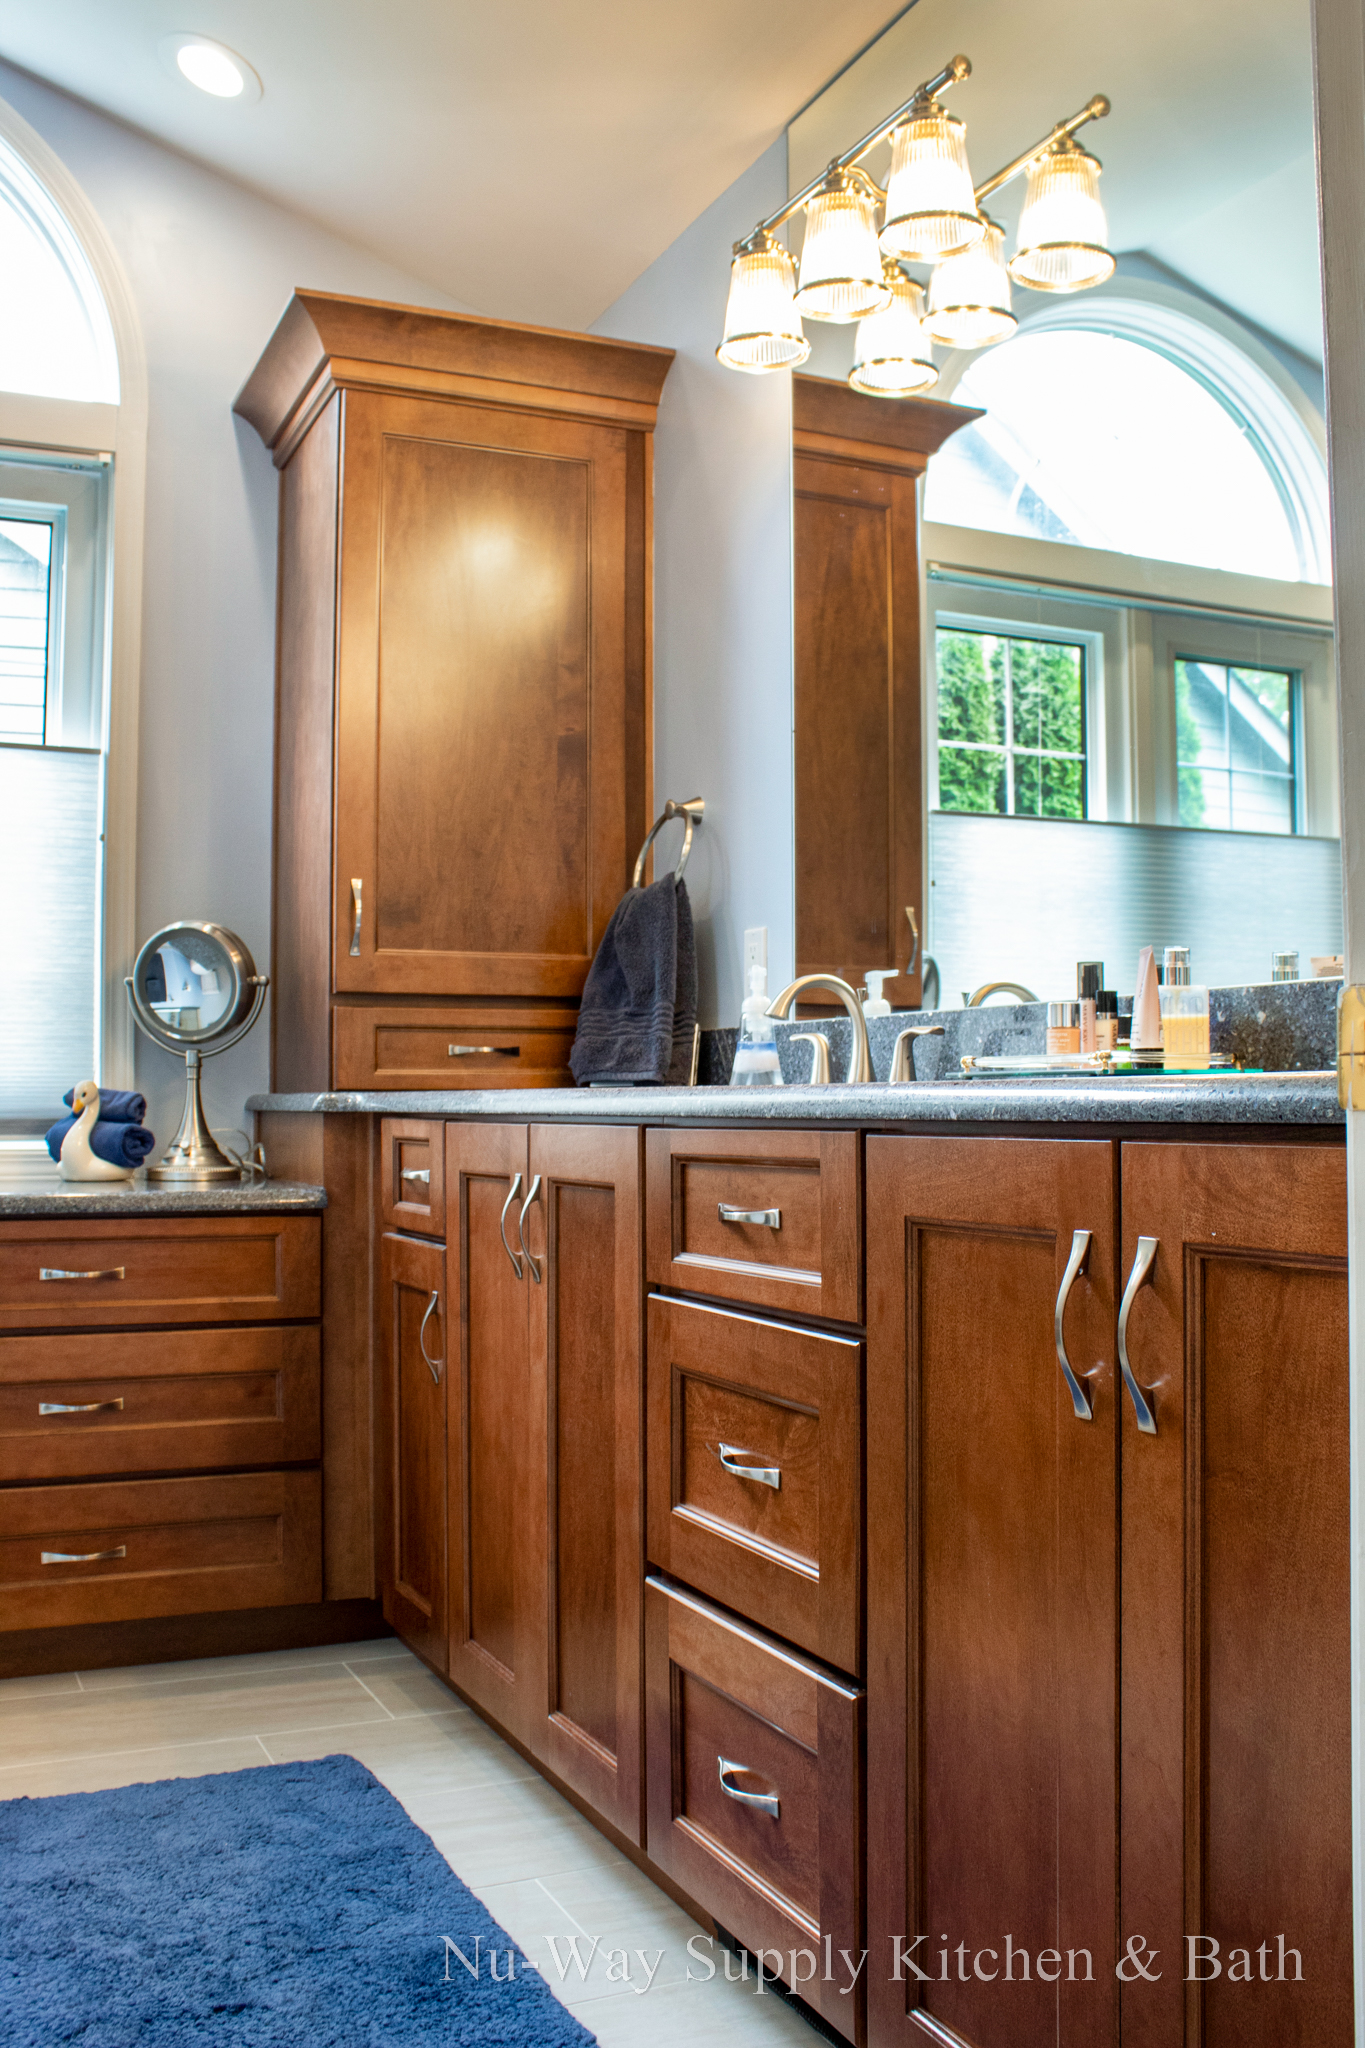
(463, 699)
(413, 1349)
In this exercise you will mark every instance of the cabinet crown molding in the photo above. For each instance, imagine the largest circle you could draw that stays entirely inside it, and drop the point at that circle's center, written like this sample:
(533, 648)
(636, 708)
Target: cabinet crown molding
(325, 340)
(828, 418)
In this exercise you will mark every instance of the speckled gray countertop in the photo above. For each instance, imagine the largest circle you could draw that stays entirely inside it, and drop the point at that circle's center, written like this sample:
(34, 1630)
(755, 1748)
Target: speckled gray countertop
(55, 1197)
(1245, 1099)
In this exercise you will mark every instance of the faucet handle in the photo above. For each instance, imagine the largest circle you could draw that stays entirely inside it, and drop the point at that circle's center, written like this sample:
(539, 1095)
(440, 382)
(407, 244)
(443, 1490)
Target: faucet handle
(819, 1061)
(903, 1057)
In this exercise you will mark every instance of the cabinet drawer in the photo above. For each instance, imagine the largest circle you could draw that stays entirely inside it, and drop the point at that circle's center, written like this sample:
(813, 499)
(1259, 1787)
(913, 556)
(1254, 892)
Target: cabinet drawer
(773, 1219)
(421, 1046)
(141, 1547)
(755, 1470)
(734, 1719)
(412, 1176)
(200, 1269)
(157, 1401)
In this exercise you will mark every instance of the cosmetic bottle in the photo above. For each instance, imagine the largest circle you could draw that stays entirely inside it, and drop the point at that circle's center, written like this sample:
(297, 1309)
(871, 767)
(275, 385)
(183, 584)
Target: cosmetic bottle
(1089, 982)
(1063, 1027)
(1145, 1029)
(1106, 1021)
(756, 1062)
(1284, 967)
(1184, 1013)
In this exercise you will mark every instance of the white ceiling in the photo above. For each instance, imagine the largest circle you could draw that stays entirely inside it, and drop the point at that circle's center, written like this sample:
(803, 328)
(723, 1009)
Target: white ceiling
(529, 157)
(1208, 153)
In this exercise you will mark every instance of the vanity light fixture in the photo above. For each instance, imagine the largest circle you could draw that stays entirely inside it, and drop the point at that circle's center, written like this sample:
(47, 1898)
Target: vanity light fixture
(892, 354)
(209, 65)
(930, 214)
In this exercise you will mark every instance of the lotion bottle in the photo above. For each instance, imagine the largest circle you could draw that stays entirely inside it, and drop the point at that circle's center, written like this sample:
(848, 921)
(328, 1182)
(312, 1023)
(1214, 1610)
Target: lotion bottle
(1184, 1013)
(756, 1061)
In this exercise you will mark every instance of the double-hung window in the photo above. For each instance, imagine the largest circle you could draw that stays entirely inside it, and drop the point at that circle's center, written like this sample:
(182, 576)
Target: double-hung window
(1011, 724)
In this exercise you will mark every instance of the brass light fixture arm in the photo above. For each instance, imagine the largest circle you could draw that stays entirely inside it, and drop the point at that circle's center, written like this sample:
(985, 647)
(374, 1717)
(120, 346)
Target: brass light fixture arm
(953, 72)
(1094, 110)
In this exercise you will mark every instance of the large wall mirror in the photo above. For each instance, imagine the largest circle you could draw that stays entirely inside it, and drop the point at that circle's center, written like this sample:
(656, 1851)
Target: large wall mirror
(1083, 697)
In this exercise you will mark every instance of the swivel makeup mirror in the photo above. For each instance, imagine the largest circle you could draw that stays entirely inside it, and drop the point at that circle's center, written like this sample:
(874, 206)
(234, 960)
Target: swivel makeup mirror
(194, 989)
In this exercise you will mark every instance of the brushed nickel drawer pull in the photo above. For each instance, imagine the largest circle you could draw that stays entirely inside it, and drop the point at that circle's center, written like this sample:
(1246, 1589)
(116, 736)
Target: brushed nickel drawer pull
(77, 1407)
(1080, 1252)
(762, 1475)
(512, 1194)
(766, 1802)
(433, 1365)
(1141, 1273)
(461, 1052)
(771, 1219)
(357, 891)
(421, 1173)
(61, 1273)
(531, 1194)
(82, 1556)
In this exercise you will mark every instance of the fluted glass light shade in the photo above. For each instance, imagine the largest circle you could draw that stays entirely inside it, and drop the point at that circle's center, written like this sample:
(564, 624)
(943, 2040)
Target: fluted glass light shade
(762, 325)
(891, 351)
(1062, 229)
(969, 295)
(930, 205)
(841, 265)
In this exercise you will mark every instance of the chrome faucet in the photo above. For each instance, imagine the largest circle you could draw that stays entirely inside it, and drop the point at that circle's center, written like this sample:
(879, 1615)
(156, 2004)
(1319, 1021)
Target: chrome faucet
(860, 1064)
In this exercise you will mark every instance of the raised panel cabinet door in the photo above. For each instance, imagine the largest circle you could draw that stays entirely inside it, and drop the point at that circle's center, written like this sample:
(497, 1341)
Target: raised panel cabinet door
(484, 669)
(992, 1591)
(415, 1339)
(496, 1433)
(1236, 1821)
(583, 1231)
(857, 702)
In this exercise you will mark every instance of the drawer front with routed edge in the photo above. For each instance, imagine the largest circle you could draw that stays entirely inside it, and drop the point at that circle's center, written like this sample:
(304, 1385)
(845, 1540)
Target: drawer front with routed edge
(755, 1470)
(401, 1046)
(773, 1219)
(119, 1401)
(755, 1795)
(133, 1548)
(196, 1269)
(412, 1178)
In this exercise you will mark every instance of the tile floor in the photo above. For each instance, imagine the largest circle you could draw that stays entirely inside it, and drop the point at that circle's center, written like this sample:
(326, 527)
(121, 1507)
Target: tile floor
(538, 1866)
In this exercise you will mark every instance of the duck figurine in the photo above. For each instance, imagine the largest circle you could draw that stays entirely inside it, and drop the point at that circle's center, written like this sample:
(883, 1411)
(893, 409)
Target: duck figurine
(77, 1161)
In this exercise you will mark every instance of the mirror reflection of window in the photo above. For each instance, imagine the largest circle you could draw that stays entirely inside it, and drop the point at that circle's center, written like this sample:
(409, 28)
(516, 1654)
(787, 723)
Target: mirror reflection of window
(1011, 725)
(1236, 743)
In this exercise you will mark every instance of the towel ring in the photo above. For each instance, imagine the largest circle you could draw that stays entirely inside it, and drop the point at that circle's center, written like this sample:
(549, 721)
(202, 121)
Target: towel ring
(691, 810)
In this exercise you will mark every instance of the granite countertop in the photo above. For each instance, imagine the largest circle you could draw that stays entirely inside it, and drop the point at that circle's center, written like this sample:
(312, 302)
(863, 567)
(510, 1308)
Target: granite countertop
(55, 1197)
(1282, 1098)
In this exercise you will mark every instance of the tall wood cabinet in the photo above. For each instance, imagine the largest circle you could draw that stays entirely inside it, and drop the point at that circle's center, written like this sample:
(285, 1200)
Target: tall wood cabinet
(859, 752)
(462, 761)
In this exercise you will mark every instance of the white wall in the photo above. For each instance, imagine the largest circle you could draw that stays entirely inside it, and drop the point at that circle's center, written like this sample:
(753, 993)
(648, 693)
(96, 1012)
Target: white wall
(722, 595)
(211, 267)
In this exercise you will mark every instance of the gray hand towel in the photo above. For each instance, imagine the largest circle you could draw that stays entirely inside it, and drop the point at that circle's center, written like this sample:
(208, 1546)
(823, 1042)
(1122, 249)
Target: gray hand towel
(685, 995)
(626, 1018)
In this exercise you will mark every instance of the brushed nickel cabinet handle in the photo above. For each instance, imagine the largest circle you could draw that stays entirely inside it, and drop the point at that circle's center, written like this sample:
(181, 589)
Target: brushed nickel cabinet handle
(766, 1802)
(61, 1273)
(82, 1556)
(1080, 1252)
(1141, 1273)
(762, 1475)
(531, 1194)
(463, 1052)
(512, 1194)
(771, 1219)
(420, 1173)
(433, 1365)
(357, 891)
(77, 1407)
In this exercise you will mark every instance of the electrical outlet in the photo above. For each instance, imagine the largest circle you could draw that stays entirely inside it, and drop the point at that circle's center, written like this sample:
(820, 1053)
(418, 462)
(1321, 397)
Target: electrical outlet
(755, 949)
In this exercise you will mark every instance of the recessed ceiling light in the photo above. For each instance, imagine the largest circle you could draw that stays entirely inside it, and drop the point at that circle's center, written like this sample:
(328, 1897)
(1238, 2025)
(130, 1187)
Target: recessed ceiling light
(211, 66)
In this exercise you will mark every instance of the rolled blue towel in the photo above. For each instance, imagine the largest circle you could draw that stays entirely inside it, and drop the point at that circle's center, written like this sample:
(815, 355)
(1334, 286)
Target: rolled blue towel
(117, 1105)
(124, 1145)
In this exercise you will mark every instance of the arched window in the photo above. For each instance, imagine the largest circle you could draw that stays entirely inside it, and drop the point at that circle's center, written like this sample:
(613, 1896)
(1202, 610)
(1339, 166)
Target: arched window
(1137, 427)
(56, 338)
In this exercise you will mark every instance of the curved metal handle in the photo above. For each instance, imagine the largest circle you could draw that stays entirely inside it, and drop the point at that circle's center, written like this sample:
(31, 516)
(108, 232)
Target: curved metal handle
(819, 1057)
(78, 1407)
(464, 1052)
(512, 1194)
(433, 1365)
(762, 1475)
(1141, 1273)
(61, 1273)
(1080, 1252)
(903, 1052)
(771, 1219)
(766, 1802)
(81, 1556)
(357, 891)
(422, 1173)
(531, 1194)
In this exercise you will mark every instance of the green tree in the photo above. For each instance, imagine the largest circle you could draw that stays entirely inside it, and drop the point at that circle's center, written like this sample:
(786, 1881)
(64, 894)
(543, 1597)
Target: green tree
(971, 706)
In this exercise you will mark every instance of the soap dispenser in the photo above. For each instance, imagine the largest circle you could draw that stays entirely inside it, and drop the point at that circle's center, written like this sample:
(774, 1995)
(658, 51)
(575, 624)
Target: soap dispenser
(756, 1062)
(874, 998)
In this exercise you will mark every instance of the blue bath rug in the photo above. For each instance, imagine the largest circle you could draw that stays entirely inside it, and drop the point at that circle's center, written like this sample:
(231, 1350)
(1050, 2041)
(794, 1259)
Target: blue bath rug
(294, 1906)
